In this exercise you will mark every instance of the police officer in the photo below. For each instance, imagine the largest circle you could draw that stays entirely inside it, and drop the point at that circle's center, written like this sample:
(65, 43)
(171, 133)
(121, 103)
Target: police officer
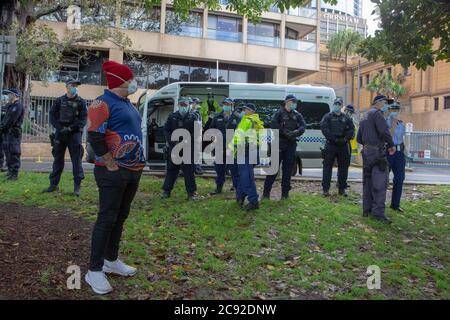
(225, 120)
(374, 136)
(397, 162)
(3, 154)
(246, 138)
(68, 116)
(338, 130)
(11, 129)
(291, 126)
(183, 118)
(195, 108)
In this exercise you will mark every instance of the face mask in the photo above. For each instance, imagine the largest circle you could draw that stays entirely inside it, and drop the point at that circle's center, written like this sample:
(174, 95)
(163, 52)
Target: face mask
(393, 115)
(242, 114)
(132, 87)
(336, 108)
(384, 108)
(4, 98)
(183, 110)
(73, 91)
(227, 108)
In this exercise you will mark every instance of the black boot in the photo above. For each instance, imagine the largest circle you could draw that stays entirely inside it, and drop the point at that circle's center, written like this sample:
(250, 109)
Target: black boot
(284, 194)
(251, 206)
(218, 190)
(326, 193)
(52, 188)
(240, 202)
(77, 189)
(11, 177)
(366, 214)
(266, 194)
(165, 195)
(191, 196)
(343, 193)
(198, 170)
(383, 219)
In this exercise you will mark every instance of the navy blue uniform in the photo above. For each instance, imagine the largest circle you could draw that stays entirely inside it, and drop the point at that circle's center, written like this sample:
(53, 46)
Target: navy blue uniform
(11, 129)
(68, 116)
(178, 121)
(338, 129)
(3, 143)
(291, 126)
(224, 123)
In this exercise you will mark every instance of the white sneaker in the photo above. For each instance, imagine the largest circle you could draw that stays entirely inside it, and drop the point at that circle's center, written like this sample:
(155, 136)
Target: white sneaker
(98, 282)
(118, 267)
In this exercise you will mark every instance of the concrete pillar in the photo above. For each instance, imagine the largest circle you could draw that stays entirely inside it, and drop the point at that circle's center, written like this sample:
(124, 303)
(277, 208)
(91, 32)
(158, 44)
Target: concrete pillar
(283, 31)
(280, 75)
(205, 22)
(318, 33)
(244, 29)
(116, 55)
(162, 23)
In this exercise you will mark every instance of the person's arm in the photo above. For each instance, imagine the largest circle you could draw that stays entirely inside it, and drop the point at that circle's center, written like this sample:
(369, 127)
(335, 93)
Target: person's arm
(382, 129)
(80, 122)
(301, 125)
(350, 130)
(359, 135)
(324, 127)
(54, 115)
(168, 130)
(98, 115)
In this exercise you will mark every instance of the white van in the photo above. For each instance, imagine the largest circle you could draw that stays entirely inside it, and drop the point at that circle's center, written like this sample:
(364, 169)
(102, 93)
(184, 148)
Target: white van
(314, 103)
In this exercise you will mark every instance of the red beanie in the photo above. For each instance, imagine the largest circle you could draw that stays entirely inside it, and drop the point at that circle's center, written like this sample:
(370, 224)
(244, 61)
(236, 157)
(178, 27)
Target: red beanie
(116, 73)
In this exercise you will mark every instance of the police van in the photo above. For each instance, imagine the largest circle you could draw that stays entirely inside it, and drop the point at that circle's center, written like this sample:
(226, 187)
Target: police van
(314, 102)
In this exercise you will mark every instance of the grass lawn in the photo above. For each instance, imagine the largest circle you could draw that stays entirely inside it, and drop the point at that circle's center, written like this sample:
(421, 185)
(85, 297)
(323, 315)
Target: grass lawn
(304, 247)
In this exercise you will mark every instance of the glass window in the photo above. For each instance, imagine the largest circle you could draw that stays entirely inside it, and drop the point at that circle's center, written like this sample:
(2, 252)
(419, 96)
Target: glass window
(137, 18)
(436, 104)
(447, 102)
(199, 71)
(367, 79)
(237, 74)
(225, 28)
(313, 113)
(179, 72)
(192, 26)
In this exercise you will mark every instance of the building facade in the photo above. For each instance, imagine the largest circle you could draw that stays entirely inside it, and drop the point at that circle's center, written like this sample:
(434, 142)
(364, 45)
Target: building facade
(208, 46)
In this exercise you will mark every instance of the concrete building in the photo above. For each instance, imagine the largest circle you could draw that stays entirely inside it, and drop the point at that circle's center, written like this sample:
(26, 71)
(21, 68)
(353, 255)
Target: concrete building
(209, 46)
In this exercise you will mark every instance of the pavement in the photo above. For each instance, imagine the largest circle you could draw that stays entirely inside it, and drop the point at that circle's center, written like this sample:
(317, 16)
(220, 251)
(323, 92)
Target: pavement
(415, 175)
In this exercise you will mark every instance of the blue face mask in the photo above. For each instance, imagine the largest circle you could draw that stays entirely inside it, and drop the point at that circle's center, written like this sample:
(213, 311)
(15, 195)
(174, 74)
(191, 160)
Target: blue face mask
(226, 108)
(4, 98)
(393, 115)
(336, 108)
(242, 114)
(183, 110)
(73, 91)
(384, 108)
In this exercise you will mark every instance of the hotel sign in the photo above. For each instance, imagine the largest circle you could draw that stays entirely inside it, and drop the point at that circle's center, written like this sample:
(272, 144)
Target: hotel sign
(342, 18)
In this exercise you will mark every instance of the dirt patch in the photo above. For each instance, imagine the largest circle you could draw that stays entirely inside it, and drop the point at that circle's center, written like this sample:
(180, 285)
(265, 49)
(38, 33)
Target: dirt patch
(36, 247)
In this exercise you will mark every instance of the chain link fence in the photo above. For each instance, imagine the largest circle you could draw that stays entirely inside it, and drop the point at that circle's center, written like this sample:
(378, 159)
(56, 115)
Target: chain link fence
(428, 148)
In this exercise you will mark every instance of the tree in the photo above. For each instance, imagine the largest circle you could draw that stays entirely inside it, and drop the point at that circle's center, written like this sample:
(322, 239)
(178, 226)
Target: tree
(387, 85)
(40, 49)
(343, 44)
(413, 32)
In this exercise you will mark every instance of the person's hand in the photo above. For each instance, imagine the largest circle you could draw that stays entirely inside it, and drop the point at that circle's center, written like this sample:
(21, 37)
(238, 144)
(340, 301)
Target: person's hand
(65, 130)
(391, 151)
(111, 166)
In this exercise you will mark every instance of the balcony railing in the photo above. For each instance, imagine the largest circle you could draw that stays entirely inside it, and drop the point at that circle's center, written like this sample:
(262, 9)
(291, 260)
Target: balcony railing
(195, 32)
(224, 35)
(300, 45)
(303, 12)
(263, 41)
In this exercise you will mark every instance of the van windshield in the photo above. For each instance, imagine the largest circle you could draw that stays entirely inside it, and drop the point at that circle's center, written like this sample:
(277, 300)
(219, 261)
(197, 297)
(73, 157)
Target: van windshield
(313, 113)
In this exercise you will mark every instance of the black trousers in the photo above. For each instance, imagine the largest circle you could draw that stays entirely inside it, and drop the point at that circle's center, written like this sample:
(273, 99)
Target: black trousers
(13, 142)
(74, 144)
(343, 155)
(172, 171)
(116, 193)
(287, 157)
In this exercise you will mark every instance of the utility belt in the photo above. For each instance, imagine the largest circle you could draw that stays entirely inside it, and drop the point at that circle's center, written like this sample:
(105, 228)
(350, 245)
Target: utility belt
(400, 147)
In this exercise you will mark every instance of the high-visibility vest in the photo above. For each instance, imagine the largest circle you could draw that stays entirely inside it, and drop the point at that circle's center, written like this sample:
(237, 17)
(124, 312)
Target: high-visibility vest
(204, 110)
(242, 135)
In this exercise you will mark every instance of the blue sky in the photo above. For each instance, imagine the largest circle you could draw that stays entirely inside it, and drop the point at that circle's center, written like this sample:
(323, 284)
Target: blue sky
(372, 23)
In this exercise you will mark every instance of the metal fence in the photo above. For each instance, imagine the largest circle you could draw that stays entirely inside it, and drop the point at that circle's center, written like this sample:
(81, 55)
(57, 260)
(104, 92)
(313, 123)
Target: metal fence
(36, 125)
(428, 148)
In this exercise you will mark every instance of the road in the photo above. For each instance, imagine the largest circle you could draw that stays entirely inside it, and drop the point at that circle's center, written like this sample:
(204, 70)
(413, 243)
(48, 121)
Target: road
(417, 175)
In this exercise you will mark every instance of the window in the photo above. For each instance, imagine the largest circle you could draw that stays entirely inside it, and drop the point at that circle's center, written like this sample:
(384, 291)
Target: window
(313, 113)
(361, 82)
(224, 28)
(436, 104)
(367, 79)
(447, 102)
(191, 27)
(381, 72)
(139, 19)
(264, 33)
(389, 70)
(406, 72)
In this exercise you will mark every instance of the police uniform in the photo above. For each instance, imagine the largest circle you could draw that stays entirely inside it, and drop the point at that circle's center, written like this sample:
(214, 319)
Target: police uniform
(291, 126)
(11, 129)
(3, 154)
(224, 122)
(374, 136)
(175, 121)
(68, 116)
(338, 130)
(397, 161)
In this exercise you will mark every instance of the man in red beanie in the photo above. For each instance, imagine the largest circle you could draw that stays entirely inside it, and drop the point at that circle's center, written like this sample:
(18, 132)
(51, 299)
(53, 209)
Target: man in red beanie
(114, 132)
